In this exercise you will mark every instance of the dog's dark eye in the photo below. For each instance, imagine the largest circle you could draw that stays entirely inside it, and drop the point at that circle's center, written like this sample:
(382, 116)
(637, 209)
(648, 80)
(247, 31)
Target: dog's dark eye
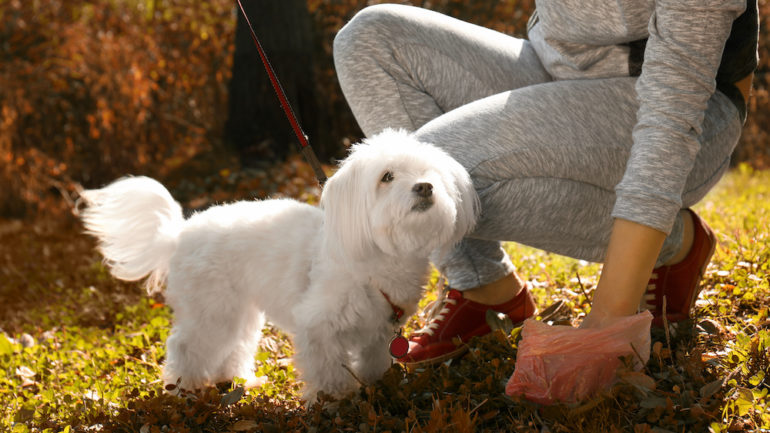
(387, 177)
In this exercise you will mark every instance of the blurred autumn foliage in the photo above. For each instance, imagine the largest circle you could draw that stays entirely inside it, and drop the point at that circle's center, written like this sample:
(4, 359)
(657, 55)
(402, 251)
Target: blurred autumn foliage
(91, 90)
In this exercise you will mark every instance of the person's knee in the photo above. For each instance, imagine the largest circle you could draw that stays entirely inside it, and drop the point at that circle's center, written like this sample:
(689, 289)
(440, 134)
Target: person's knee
(367, 29)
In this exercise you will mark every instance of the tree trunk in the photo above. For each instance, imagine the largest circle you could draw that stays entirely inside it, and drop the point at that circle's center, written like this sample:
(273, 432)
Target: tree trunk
(257, 126)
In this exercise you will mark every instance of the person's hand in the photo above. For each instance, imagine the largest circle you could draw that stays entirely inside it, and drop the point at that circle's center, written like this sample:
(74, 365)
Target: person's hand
(566, 364)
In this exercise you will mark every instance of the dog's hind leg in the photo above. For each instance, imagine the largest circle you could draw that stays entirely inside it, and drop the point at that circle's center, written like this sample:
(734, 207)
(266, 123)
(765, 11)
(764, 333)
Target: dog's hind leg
(240, 362)
(185, 366)
(211, 345)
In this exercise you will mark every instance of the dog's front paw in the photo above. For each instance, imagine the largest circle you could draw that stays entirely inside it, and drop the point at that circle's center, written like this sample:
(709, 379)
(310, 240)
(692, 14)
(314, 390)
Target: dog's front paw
(372, 364)
(313, 397)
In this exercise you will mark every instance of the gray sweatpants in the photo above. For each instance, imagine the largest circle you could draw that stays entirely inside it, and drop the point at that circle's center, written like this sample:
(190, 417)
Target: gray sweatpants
(544, 155)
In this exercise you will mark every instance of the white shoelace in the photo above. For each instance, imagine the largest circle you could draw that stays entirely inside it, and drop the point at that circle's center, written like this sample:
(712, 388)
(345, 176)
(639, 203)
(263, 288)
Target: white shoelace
(431, 327)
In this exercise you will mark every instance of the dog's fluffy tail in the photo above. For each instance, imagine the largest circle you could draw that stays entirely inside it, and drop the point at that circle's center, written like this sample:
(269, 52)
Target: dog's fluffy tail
(137, 224)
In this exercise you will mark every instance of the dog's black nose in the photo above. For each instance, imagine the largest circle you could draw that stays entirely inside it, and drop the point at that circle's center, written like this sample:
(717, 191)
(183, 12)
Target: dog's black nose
(423, 189)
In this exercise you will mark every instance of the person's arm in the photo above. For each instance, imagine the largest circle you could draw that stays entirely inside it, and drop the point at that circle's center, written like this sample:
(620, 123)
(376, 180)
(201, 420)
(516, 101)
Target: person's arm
(678, 77)
(630, 258)
(681, 59)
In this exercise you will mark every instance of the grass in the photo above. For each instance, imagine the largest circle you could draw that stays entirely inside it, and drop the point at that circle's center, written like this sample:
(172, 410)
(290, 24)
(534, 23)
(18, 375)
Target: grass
(81, 352)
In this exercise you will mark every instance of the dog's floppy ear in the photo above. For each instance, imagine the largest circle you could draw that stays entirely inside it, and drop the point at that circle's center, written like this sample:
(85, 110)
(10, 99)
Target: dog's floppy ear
(468, 205)
(346, 203)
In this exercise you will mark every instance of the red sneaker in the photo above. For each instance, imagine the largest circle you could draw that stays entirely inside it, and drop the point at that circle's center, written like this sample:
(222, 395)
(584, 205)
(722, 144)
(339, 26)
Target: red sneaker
(679, 284)
(456, 318)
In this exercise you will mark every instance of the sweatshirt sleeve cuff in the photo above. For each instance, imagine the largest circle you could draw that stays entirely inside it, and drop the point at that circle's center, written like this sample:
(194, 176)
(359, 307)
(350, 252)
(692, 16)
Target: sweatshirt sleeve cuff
(653, 212)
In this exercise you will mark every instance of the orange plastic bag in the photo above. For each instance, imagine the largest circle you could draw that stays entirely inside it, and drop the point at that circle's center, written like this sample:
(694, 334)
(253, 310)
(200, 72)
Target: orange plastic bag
(566, 364)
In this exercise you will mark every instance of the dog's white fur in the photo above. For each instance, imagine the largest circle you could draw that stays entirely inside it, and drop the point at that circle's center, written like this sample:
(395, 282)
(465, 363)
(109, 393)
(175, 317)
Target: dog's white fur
(316, 273)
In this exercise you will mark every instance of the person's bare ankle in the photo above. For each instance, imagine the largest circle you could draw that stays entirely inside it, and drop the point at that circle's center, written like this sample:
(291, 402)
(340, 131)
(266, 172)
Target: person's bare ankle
(496, 292)
(687, 239)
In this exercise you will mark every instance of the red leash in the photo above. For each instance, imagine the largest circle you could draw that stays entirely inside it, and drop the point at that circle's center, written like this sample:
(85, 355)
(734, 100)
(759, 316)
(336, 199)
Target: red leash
(399, 345)
(307, 151)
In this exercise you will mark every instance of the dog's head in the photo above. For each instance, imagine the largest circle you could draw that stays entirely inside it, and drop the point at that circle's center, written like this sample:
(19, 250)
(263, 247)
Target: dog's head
(397, 196)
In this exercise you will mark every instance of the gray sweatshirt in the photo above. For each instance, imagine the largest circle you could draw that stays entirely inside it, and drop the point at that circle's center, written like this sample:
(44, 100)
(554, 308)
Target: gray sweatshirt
(685, 41)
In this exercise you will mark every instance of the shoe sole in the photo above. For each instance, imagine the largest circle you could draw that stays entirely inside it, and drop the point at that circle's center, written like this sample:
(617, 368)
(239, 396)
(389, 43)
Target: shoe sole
(457, 353)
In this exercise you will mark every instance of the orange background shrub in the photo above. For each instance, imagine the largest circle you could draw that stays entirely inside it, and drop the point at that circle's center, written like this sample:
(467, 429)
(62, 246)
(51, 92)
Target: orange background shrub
(93, 90)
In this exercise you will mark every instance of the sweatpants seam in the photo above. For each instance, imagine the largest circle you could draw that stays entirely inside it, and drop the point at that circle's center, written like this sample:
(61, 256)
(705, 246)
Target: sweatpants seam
(503, 155)
(718, 172)
(510, 179)
(584, 240)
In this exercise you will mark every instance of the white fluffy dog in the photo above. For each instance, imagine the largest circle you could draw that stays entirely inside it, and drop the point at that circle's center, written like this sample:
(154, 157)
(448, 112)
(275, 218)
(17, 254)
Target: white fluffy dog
(332, 277)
